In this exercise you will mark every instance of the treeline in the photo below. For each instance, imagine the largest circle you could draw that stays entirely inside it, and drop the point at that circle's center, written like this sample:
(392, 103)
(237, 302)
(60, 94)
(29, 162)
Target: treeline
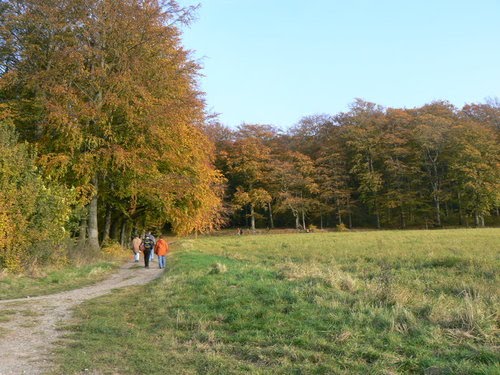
(369, 167)
(101, 127)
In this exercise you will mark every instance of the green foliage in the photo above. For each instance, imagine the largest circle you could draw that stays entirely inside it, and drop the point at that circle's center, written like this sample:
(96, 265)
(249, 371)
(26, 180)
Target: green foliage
(34, 209)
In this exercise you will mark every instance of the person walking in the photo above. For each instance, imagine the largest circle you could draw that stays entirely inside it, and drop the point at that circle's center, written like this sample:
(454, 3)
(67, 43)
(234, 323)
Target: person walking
(161, 249)
(152, 253)
(148, 243)
(136, 247)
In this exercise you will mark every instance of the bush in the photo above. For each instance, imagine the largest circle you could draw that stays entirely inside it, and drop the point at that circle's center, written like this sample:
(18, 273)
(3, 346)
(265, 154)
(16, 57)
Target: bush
(342, 228)
(115, 250)
(34, 210)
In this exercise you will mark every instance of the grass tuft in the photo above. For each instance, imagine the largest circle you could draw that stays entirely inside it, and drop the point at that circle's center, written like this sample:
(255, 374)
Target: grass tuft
(218, 268)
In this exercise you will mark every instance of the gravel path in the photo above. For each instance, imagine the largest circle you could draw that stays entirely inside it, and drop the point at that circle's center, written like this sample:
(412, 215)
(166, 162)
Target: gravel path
(29, 326)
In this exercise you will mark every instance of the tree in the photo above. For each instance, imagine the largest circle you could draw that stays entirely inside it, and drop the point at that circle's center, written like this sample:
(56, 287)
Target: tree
(333, 174)
(363, 137)
(401, 169)
(248, 164)
(432, 126)
(474, 157)
(112, 109)
(298, 187)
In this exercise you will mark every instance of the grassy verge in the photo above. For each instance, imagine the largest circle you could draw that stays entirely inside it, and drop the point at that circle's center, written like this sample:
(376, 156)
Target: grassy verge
(58, 280)
(337, 303)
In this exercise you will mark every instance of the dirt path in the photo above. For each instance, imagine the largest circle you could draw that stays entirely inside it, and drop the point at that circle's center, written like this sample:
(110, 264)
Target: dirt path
(28, 331)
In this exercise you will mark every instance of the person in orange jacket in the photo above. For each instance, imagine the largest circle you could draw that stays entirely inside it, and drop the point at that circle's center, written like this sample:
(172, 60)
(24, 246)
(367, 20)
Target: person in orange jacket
(161, 249)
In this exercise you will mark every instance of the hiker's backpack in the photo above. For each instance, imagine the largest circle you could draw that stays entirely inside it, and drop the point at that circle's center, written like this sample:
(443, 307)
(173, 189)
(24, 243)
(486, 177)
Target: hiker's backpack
(148, 243)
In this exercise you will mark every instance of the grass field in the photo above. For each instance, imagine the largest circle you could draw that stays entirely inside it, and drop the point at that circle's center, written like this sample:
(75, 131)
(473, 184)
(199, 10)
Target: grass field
(385, 302)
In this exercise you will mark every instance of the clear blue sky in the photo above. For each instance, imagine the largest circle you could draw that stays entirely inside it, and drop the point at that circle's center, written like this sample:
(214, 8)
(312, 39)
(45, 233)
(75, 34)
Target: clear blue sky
(275, 61)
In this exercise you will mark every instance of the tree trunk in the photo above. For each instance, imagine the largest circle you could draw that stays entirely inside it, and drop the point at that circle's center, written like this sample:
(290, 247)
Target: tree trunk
(476, 219)
(123, 233)
(82, 235)
(128, 234)
(349, 214)
(438, 210)
(93, 232)
(113, 232)
(403, 219)
(460, 218)
(107, 225)
(303, 220)
(252, 217)
(271, 220)
(377, 213)
(339, 215)
(321, 221)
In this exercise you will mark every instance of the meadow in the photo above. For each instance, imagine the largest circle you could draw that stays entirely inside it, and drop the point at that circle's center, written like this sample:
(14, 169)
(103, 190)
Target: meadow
(379, 302)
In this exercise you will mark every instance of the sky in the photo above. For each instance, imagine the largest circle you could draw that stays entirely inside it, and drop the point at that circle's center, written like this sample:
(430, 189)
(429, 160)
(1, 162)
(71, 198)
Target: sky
(276, 61)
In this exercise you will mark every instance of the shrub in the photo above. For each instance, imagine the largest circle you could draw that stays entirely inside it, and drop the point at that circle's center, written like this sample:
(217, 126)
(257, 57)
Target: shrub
(34, 210)
(342, 228)
(115, 250)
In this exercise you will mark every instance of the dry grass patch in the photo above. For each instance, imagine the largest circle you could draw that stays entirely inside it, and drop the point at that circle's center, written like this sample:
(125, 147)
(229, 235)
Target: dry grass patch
(329, 274)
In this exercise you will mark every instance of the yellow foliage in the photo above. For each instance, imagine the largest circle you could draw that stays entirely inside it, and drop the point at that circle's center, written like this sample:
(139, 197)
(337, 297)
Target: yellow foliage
(114, 250)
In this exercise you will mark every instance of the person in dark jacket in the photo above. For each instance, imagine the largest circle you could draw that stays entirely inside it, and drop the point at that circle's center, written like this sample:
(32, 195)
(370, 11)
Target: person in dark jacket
(148, 244)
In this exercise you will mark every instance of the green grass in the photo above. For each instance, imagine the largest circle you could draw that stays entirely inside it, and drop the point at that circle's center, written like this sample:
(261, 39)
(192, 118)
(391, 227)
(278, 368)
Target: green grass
(5, 315)
(67, 278)
(334, 303)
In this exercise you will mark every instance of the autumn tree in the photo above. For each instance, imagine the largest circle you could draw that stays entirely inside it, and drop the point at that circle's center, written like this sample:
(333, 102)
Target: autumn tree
(298, 187)
(473, 158)
(363, 137)
(431, 130)
(116, 113)
(400, 165)
(248, 165)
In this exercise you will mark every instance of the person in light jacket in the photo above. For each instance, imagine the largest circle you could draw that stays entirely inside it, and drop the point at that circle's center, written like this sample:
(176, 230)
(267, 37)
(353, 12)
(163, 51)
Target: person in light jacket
(136, 248)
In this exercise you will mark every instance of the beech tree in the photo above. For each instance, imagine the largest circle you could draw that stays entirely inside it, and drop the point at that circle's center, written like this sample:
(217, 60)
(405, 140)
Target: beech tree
(248, 166)
(112, 111)
(433, 123)
(400, 167)
(473, 158)
(363, 138)
(298, 187)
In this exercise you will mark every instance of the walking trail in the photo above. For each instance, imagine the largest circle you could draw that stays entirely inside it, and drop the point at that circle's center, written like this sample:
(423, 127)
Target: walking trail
(29, 335)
